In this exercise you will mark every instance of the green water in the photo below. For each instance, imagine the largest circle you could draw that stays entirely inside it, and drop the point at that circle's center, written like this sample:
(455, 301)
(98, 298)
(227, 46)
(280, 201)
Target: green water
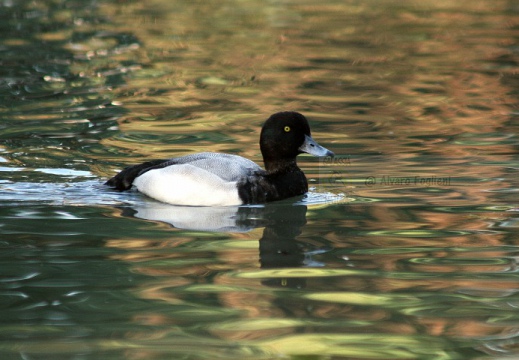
(405, 247)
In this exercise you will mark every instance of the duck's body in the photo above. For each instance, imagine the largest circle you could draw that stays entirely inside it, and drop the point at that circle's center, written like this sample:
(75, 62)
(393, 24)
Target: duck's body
(213, 179)
(200, 179)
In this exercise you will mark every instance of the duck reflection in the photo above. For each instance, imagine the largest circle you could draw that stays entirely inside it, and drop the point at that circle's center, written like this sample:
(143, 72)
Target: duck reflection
(278, 246)
(211, 219)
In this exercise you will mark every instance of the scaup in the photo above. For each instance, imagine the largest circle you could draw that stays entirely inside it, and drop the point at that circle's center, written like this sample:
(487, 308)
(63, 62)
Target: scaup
(213, 179)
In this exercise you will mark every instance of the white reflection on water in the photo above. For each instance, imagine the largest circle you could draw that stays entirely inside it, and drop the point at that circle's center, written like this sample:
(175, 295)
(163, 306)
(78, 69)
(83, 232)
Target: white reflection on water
(224, 218)
(66, 172)
(90, 192)
(220, 219)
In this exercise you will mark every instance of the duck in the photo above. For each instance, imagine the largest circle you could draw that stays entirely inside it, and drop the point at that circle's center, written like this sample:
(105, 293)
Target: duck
(220, 179)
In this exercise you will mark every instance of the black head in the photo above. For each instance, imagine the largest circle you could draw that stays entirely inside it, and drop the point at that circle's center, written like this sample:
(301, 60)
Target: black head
(286, 135)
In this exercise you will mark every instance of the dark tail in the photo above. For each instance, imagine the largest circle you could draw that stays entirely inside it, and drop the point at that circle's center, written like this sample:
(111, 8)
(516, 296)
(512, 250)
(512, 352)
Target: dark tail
(124, 180)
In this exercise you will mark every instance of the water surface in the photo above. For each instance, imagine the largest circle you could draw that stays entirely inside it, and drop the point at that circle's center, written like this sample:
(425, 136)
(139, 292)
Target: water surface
(403, 249)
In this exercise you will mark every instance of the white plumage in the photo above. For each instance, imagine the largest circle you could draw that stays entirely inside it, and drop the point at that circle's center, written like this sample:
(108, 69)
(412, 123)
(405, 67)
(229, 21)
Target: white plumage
(205, 179)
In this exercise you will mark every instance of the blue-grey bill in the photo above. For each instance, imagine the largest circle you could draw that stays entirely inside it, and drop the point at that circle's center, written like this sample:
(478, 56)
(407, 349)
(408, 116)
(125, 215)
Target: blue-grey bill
(311, 147)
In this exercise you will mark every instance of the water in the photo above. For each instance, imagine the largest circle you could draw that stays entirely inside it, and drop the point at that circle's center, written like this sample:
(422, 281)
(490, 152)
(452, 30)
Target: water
(405, 247)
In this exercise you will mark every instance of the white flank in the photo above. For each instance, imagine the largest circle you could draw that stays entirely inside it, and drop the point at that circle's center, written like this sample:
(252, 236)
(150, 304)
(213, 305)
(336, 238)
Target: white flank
(187, 185)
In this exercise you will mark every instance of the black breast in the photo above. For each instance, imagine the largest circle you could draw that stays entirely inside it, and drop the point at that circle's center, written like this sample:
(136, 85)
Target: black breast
(265, 187)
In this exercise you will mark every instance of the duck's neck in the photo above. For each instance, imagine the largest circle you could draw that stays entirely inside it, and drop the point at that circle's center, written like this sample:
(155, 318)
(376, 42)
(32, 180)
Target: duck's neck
(276, 166)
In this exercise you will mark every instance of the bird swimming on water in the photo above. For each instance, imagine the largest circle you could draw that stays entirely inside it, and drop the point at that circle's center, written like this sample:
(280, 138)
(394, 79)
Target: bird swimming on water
(217, 179)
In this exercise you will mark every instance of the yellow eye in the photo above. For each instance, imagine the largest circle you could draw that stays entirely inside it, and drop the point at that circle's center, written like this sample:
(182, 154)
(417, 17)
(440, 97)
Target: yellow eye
(287, 128)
